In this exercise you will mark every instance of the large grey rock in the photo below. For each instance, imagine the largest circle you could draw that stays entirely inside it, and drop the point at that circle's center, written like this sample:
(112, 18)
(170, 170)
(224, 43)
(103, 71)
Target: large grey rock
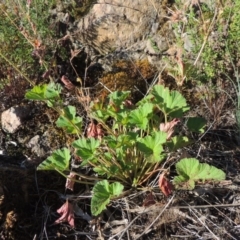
(116, 25)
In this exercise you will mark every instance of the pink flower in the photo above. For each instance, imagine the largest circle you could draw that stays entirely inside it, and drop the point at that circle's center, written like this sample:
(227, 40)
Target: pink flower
(67, 214)
(28, 3)
(169, 127)
(94, 130)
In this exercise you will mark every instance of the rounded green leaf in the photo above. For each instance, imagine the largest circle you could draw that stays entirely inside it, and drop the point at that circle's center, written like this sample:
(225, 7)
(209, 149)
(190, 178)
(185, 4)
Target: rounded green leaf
(187, 167)
(86, 147)
(171, 103)
(116, 188)
(69, 121)
(190, 170)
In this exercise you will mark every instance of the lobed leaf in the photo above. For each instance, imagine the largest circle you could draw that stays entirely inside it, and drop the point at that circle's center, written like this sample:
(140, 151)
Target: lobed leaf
(196, 124)
(118, 97)
(111, 141)
(69, 121)
(102, 193)
(139, 116)
(44, 92)
(115, 189)
(151, 146)
(86, 147)
(190, 170)
(178, 142)
(59, 160)
(171, 103)
(36, 93)
(53, 90)
(126, 140)
(101, 115)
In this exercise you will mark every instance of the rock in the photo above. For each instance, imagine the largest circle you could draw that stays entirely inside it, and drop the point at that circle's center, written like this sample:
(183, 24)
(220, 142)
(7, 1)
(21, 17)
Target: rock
(12, 118)
(116, 25)
(39, 145)
(124, 29)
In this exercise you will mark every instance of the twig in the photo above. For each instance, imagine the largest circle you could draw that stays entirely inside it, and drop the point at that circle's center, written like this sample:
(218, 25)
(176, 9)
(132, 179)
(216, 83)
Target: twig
(205, 225)
(12, 64)
(152, 208)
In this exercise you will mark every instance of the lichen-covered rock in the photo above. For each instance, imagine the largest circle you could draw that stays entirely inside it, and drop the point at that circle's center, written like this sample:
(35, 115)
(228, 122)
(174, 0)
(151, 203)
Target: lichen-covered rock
(35, 145)
(116, 25)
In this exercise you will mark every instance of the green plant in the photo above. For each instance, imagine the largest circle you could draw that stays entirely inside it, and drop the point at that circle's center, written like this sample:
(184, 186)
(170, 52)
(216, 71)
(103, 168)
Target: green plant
(232, 52)
(198, 53)
(234, 29)
(191, 171)
(25, 34)
(127, 144)
(235, 80)
(102, 193)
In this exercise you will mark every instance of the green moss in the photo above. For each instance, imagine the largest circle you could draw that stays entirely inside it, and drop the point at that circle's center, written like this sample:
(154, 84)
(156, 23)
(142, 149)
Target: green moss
(234, 29)
(22, 27)
(127, 76)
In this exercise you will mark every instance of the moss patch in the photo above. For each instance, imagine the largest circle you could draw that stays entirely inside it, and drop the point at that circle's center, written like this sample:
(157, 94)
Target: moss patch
(127, 76)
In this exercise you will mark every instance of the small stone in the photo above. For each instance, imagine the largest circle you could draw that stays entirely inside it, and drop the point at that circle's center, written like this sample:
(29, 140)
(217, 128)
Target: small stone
(12, 118)
(36, 146)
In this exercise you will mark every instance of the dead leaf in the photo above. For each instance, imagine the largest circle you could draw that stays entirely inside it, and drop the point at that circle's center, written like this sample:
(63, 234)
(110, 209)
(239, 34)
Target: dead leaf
(169, 127)
(70, 181)
(67, 214)
(84, 99)
(66, 37)
(165, 186)
(128, 104)
(67, 83)
(149, 200)
(177, 15)
(46, 74)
